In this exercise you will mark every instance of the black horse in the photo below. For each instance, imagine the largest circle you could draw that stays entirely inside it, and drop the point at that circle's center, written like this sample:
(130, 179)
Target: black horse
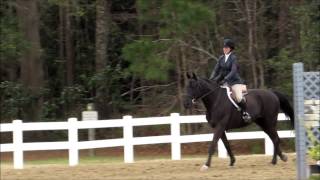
(262, 105)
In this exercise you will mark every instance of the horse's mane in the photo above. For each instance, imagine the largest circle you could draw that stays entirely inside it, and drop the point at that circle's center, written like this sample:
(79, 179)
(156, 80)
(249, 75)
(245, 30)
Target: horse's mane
(207, 83)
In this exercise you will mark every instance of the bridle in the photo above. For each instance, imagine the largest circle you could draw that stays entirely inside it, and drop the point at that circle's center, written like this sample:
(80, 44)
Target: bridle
(203, 96)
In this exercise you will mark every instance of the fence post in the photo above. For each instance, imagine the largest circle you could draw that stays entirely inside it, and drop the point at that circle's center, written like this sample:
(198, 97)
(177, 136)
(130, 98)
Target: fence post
(128, 138)
(175, 136)
(18, 144)
(222, 152)
(268, 146)
(299, 120)
(90, 116)
(73, 142)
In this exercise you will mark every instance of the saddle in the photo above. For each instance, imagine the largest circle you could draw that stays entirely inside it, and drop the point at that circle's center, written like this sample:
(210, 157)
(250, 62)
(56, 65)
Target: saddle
(231, 97)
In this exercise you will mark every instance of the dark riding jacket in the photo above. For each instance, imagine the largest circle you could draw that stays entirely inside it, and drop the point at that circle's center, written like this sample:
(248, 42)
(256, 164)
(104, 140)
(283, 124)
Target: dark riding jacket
(227, 71)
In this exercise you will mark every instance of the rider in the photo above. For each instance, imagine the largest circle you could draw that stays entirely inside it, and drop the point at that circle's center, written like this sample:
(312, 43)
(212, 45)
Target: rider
(226, 72)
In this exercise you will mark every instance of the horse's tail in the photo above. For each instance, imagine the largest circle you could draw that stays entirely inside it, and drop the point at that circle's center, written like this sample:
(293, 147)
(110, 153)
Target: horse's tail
(285, 106)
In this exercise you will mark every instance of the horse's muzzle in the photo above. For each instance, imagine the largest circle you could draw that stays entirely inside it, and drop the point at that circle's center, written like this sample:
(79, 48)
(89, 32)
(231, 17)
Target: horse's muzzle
(187, 103)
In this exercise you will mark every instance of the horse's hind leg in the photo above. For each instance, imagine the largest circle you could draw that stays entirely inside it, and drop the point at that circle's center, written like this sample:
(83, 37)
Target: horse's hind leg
(276, 143)
(226, 144)
(282, 156)
(273, 134)
(277, 150)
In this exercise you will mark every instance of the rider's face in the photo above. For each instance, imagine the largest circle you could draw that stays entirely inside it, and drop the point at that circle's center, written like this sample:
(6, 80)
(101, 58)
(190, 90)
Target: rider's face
(226, 50)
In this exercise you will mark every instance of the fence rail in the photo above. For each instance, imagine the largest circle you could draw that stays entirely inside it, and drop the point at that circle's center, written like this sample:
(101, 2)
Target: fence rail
(73, 145)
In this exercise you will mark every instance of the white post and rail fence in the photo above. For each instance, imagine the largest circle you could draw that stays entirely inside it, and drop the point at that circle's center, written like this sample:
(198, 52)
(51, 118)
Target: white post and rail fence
(73, 145)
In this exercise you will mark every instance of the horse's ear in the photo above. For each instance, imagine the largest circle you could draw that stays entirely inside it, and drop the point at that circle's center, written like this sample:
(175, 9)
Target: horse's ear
(188, 76)
(194, 76)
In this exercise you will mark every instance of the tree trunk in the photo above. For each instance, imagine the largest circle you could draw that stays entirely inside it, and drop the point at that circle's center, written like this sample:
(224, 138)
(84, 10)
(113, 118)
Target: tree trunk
(31, 63)
(61, 42)
(11, 70)
(132, 86)
(179, 85)
(61, 32)
(69, 48)
(183, 82)
(296, 30)
(283, 23)
(258, 57)
(102, 30)
(251, 43)
(184, 68)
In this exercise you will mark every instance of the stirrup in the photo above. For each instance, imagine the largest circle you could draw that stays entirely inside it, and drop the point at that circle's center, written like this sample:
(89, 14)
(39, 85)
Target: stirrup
(246, 117)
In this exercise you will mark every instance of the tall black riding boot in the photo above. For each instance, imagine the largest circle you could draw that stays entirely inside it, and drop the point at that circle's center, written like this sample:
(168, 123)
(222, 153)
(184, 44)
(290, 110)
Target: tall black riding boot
(245, 115)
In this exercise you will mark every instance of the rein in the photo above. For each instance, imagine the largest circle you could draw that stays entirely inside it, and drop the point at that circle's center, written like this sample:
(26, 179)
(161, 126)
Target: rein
(206, 94)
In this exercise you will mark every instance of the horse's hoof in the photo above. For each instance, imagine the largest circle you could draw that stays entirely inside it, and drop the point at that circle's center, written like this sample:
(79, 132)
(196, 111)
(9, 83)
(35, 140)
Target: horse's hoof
(232, 162)
(204, 168)
(273, 162)
(284, 158)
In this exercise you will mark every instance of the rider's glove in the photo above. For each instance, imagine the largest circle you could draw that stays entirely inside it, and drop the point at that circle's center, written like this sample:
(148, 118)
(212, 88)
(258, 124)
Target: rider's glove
(223, 82)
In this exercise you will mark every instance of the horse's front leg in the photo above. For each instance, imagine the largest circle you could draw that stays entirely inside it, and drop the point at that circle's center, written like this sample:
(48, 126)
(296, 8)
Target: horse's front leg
(218, 131)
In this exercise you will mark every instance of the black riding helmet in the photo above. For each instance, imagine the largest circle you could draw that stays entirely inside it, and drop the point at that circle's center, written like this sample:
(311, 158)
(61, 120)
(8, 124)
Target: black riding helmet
(228, 43)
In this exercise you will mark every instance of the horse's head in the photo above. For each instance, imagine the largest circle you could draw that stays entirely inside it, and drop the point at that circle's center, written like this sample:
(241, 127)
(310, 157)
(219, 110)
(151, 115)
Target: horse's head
(197, 88)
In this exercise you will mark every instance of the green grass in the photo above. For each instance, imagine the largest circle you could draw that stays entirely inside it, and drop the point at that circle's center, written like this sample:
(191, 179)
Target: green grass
(84, 160)
(314, 177)
(256, 149)
(87, 160)
(98, 159)
(47, 161)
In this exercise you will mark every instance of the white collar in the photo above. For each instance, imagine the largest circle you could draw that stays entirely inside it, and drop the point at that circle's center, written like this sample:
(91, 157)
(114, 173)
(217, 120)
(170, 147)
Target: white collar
(227, 56)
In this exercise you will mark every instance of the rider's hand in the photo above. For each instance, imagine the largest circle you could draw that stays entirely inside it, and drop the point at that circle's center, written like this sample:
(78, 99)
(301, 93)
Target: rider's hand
(222, 82)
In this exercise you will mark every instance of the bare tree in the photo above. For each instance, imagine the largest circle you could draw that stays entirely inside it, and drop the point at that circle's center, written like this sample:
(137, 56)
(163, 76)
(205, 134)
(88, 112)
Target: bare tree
(247, 10)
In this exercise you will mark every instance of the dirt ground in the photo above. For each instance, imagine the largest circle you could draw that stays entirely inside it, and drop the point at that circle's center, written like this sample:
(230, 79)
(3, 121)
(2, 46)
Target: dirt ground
(252, 167)
(243, 147)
